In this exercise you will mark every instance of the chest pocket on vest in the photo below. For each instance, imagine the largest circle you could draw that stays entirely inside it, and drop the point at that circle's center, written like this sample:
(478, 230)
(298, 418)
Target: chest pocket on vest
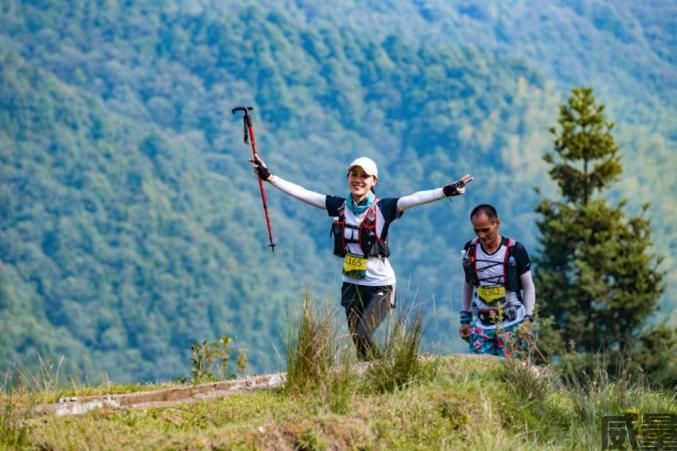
(367, 236)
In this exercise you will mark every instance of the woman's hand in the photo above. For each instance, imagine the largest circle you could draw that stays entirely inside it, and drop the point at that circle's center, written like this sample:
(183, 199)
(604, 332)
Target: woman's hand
(260, 168)
(458, 187)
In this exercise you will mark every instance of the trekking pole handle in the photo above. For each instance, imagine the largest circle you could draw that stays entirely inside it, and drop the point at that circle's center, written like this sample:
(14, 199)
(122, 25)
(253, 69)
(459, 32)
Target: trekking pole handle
(246, 110)
(247, 121)
(243, 108)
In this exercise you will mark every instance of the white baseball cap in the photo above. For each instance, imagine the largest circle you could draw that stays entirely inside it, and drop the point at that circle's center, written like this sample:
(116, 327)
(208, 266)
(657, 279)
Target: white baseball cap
(367, 164)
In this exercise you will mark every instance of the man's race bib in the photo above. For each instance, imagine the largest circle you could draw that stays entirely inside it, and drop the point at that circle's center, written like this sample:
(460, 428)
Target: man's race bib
(355, 266)
(491, 294)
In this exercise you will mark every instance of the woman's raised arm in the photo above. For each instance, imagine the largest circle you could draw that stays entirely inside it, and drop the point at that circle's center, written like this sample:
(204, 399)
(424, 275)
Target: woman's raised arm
(424, 197)
(291, 189)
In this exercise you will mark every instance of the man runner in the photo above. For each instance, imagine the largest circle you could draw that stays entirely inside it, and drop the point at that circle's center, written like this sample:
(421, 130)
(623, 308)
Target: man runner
(498, 288)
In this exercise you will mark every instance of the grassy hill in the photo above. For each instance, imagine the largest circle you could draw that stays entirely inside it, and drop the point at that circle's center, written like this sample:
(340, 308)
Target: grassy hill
(454, 403)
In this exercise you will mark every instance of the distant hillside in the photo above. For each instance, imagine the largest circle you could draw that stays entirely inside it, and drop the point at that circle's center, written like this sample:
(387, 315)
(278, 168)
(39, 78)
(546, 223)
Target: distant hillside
(130, 219)
(620, 48)
(117, 249)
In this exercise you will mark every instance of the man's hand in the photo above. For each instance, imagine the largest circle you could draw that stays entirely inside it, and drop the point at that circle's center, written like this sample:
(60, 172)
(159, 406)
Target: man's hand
(466, 319)
(458, 187)
(524, 329)
(464, 332)
(260, 168)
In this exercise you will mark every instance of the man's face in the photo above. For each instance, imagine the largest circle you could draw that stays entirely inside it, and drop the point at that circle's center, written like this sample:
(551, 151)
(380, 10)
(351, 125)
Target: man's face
(486, 229)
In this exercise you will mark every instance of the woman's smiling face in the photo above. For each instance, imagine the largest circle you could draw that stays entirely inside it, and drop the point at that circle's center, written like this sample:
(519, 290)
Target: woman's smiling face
(360, 183)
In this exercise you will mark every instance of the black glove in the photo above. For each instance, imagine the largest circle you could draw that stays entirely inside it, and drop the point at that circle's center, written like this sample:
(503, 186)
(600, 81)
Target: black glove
(458, 187)
(260, 168)
(464, 332)
(453, 189)
(464, 329)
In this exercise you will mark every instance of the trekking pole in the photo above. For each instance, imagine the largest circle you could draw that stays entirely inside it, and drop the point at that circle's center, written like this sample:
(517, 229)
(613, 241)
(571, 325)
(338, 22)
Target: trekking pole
(532, 344)
(249, 132)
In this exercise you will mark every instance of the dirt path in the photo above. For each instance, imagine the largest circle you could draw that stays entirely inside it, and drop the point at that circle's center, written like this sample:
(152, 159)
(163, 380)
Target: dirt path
(179, 394)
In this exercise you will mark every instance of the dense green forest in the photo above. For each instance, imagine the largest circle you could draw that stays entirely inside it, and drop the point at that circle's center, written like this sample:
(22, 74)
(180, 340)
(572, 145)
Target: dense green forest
(130, 223)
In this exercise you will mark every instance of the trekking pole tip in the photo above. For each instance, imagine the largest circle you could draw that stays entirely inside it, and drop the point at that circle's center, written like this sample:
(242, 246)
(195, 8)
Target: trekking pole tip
(272, 247)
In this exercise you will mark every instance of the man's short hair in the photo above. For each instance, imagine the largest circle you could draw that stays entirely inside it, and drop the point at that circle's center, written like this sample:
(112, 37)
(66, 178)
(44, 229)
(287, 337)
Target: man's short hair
(487, 209)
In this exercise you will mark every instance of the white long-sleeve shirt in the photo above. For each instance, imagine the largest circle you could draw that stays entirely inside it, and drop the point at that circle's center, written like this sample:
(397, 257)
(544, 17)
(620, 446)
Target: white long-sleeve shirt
(379, 271)
(319, 200)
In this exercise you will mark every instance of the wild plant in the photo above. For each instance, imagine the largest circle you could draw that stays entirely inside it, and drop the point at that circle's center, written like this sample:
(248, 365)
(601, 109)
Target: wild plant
(313, 347)
(398, 363)
(210, 360)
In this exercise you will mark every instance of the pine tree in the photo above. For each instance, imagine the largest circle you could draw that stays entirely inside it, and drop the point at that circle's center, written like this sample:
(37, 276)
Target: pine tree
(596, 276)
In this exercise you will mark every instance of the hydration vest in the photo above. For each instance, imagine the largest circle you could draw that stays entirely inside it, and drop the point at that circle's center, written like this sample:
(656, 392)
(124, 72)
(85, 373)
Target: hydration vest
(511, 279)
(367, 236)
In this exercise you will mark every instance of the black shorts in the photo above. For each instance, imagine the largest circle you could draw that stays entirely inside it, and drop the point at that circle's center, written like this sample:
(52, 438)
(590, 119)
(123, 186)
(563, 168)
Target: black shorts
(359, 297)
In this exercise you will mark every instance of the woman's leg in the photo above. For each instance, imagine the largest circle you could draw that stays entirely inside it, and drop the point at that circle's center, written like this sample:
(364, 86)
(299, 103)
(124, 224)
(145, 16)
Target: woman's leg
(353, 303)
(376, 311)
(366, 308)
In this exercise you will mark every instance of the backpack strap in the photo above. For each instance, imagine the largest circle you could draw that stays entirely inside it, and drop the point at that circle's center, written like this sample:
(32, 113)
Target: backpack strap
(368, 222)
(342, 221)
(370, 215)
(510, 246)
(473, 260)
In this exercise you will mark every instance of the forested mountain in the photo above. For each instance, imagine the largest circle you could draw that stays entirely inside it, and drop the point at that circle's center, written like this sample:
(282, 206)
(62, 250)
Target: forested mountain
(620, 48)
(130, 223)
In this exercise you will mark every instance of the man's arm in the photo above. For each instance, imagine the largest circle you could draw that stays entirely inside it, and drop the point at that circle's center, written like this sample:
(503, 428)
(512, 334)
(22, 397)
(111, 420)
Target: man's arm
(467, 296)
(466, 314)
(529, 292)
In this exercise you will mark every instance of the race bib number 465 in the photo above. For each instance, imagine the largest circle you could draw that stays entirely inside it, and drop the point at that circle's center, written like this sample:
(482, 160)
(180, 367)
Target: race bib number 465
(355, 266)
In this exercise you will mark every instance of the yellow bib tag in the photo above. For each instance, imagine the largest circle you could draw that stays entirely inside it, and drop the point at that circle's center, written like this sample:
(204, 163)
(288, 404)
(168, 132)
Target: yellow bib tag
(355, 266)
(491, 294)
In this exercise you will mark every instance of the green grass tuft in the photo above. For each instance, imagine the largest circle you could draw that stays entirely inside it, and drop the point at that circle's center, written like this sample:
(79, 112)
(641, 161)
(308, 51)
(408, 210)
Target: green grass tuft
(312, 348)
(399, 364)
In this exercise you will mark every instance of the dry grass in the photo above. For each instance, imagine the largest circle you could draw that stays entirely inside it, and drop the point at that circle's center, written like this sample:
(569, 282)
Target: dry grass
(440, 412)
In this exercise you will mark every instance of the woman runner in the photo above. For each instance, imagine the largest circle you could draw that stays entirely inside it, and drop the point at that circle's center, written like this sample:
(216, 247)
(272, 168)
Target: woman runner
(360, 232)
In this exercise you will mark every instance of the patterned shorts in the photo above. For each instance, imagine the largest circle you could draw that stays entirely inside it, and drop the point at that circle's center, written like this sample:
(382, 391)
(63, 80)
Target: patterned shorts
(500, 341)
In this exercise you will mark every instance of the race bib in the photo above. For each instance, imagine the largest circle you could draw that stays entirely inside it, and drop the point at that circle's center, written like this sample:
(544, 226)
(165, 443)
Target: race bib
(355, 266)
(491, 294)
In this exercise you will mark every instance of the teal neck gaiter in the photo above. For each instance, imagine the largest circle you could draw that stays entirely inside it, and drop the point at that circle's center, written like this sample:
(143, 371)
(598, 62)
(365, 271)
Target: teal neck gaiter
(363, 206)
